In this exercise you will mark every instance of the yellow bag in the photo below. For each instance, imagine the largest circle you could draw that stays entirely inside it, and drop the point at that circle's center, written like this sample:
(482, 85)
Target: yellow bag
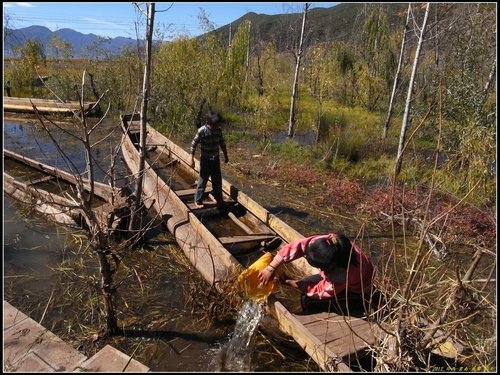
(250, 283)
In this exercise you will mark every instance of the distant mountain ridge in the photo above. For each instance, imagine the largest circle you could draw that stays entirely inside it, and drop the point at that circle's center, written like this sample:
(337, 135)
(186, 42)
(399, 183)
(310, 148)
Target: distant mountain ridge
(335, 23)
(338, 23)
(80, 42)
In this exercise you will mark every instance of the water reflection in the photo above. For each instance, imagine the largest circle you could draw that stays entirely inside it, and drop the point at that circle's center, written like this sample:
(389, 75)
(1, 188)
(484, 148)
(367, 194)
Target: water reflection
(28, 257)
(30, 139)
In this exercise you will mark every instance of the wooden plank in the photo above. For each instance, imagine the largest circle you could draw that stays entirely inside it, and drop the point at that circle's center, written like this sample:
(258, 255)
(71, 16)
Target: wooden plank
(239, 223)
(326, 317)
(320, 353)
(41, 179)
(203, 211)
(242, 239)
(342, 331)
(42, 105)
(185, 192)
(346, 336)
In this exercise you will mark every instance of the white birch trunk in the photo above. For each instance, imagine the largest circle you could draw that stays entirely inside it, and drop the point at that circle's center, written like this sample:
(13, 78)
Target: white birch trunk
(404, 125)
(144, 110)
(291, 121)
(396, 78)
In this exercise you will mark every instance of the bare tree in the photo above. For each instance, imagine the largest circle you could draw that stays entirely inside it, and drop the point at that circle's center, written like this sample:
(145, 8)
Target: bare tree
(396, 77)
(487, 87)
(291, 121)
(247, 60)
(144, 111)
(404, 125)
(109, 257)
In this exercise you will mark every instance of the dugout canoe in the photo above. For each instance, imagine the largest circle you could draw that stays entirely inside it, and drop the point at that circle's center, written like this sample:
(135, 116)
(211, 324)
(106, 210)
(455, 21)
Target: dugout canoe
(53, 192)
(25, 105)
(221, 242)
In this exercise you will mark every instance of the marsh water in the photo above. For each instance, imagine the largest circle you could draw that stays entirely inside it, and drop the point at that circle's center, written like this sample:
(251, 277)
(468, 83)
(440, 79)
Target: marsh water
(162, 301)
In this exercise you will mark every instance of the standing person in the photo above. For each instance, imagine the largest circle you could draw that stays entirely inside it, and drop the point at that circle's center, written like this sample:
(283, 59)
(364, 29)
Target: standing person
(7, 88)
(210, 138)
(346, 272)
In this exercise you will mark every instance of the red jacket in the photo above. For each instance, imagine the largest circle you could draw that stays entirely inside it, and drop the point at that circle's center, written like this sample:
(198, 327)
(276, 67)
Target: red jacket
(359, 277)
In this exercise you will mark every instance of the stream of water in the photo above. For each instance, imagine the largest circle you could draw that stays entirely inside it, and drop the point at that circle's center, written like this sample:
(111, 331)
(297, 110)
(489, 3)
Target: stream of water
(237, 354)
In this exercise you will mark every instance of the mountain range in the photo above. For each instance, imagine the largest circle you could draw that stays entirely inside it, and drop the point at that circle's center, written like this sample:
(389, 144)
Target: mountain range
(338, 23)
(80, 43)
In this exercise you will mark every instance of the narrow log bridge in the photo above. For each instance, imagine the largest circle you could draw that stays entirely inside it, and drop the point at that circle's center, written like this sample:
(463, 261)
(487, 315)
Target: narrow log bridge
(25, 105)
(221, 242)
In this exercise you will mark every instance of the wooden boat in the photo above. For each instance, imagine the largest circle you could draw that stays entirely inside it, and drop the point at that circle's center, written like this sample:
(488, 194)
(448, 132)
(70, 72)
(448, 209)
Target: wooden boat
(222, 242)
(53, 191)
(25, 105)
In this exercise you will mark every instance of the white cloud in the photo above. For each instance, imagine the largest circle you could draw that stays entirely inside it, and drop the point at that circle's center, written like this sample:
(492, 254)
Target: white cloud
(22, 5)
(25, 5)
(96, 21)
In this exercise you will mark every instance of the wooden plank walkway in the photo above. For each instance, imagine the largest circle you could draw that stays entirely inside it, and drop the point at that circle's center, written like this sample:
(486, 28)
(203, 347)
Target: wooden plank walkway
(29, 347)
(332, 341)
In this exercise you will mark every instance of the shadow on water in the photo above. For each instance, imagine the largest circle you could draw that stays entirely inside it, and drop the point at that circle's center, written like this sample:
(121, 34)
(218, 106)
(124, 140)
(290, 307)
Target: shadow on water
(281, 210)
(168, 335)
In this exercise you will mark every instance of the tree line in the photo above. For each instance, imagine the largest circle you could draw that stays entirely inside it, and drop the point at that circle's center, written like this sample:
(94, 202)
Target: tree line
(372, 70)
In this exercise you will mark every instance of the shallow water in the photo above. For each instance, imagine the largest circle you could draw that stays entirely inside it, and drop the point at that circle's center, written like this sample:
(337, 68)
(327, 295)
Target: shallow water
(28, 138)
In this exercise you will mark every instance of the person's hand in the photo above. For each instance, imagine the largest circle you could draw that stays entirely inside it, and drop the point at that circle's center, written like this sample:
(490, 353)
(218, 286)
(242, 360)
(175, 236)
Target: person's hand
(266, 275)
(292, 283)
(192, 161)
(226, 159)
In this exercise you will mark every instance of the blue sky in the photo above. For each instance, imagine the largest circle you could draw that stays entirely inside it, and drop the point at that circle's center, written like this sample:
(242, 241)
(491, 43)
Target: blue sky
(120, 19)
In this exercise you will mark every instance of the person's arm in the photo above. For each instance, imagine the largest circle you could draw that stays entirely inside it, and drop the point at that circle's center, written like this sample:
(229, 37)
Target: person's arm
(223, 148)
(194, 144)
(287, 253)
(324, 289)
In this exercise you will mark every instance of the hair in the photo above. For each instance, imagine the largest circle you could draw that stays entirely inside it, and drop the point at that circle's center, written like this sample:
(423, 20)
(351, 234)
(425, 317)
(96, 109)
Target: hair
(325, 252)
(213, 118)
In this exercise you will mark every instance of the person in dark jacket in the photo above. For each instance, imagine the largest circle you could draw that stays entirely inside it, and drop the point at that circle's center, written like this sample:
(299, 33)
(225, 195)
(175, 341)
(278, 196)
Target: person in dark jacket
(7, 88)
(211, 141)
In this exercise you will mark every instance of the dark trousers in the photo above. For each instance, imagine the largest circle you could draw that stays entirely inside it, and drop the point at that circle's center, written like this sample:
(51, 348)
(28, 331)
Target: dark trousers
(209, 169)
(354, 304)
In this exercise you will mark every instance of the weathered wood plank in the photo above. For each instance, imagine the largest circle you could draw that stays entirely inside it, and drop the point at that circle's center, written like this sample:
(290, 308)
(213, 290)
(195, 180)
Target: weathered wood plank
(323, 355)
(14, 104)
(242, 239)
(41, 179)
(345, 334)
(185, 192)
